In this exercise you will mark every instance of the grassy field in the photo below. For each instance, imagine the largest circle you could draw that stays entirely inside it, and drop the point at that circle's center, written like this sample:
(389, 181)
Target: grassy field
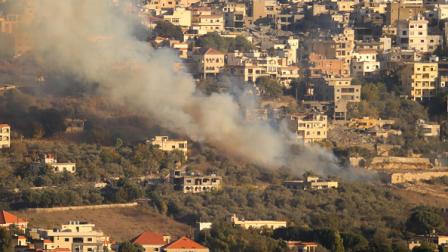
(119, 223)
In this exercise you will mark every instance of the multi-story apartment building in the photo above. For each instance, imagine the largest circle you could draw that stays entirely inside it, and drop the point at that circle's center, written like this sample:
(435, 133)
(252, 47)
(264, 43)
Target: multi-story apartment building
(337, 89)
(166, 144)
(76, 236)
(234, 15)
(420, 80)
(5, 136)
(205, 20)
(178, 16)
(413, 34)
(310, 128)
(321, 66)
(344, 44)
(264, 9)
(365, 62)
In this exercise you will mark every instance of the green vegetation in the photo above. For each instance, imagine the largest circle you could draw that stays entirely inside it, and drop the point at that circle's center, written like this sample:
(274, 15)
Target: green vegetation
(130, 247)
(269, 88)
(6, 243)
(215, 41)
(167, 29)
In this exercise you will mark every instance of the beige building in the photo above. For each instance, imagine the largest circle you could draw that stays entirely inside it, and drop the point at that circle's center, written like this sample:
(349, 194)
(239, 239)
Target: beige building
(166, 144)
(178, 16)
(337, 89)
(310, 128)
(51, 161)
(420, 80)
(195, 183)
(344, 44)
(210, 62)
(428, 129)
(413, 34)
(5, 136)
(245, 224)
(311, 183)
(264, 9)
(205, 20)
(367, 123)
(76, 236)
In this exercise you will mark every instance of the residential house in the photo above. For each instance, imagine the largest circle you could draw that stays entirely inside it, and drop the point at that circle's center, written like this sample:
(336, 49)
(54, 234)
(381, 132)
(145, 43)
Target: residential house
(166, 144)
(184, 244)
(151, 242)
(310, 128)
(428, 129)
(210, 62)
(413, 34)
(76, 236)
(5, 136)
(364, 62)
(51, 161)
(195, 183)
(310, 183)
(246, 224)
(8, 219)
(205, 20)
(299, 246)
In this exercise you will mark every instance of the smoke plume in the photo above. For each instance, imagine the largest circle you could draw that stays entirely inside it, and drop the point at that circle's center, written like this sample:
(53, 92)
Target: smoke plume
(91, 39)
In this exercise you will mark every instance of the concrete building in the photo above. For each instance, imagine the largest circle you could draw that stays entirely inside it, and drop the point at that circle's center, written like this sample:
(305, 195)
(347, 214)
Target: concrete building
(310, 128)
(194, 183)
(413, 34)
(420, 80)
(184, 244)
(310, 183)
(364, 62)
(76, 236)
(413, 176)
(178, 16)
(337, 89)
(210, 62)
(50, 160)
(302, 246)
(166, 144)
(5, 136)
(344, 44)
(205, 20)
(427, 129)
(151, 242)
(245, 224)
(367, 123)
(400, 163)
(264, 9)
(8, 219)
(321, 66)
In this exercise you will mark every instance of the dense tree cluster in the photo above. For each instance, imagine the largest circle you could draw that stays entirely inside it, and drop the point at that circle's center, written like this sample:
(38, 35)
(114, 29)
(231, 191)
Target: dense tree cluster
(215, 41)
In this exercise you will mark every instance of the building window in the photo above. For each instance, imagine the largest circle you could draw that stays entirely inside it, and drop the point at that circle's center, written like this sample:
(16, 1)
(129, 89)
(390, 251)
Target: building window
(67, 239)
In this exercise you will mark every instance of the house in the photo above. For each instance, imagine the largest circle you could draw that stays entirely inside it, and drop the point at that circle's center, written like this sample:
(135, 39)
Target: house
(299, 246)
(7, 219)
(420, 80)
(5, 136)
(310, 128)
(210, 62)
(76, 236)
(311, 183)
(51, 161)
(151, 242)
(184, 244)
(428, 129)
(165, 144)
(178, 16)
(413, 34)
(195, 183)
(271, 224)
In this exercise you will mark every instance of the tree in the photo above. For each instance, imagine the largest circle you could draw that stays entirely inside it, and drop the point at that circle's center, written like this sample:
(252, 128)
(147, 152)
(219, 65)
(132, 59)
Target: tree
(269, 88)
(425, 247)
(167, 29)
(354, 242)
(423, 220)
(130, 247)
(5, 241)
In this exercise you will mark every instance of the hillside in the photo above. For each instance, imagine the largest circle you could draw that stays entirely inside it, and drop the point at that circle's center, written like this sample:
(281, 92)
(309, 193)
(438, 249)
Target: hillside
(131, 221)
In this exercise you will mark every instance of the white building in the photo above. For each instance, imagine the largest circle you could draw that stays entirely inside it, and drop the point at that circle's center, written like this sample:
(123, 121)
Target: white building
(5, 136)
(51, 161)
(76, 236)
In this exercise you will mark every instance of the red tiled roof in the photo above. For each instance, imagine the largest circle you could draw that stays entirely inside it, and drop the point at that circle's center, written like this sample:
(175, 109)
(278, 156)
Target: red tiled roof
(9, 218)
(184, 243)
(4, 125)
(149, 238)
(212, 51)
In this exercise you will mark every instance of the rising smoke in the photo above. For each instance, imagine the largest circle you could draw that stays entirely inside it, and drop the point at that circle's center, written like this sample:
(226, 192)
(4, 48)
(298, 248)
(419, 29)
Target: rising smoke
(91, 39)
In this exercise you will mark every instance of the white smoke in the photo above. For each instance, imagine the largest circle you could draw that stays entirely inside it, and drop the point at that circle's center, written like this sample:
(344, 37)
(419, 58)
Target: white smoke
(91, 39)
